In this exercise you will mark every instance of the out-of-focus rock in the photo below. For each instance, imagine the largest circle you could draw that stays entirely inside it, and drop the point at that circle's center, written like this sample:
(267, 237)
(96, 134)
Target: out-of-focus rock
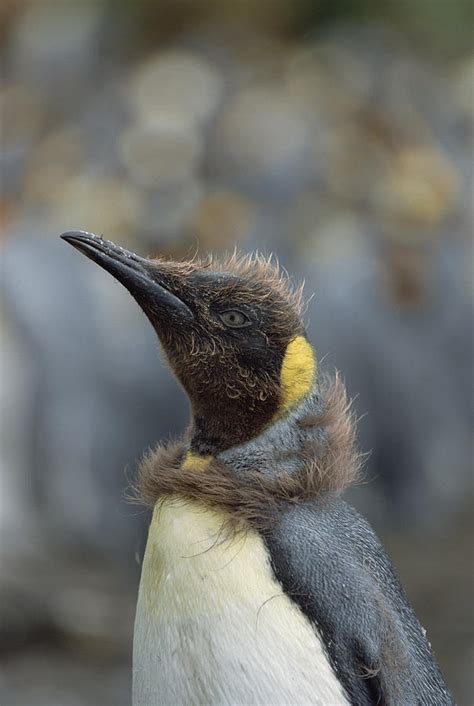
(222, 219)
(55, 42)
(161, 154)
(175, 86)
(23, 114)
(60, 146)
(324, 235)
(263, 141)
(100, 203)
(353, 163)
(166, 220)
(420, 189)
(463, 89)
(22, 120)
(327, 78)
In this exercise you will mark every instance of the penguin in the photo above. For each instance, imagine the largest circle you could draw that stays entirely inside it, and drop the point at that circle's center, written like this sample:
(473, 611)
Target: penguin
(260, 584)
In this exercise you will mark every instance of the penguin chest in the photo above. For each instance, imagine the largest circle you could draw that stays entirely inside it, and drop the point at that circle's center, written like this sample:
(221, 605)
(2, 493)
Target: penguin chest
(213, 625)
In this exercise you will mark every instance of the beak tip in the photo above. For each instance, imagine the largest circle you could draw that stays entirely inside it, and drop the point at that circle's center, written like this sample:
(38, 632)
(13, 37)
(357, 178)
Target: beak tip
(129, 269)
(70, 236)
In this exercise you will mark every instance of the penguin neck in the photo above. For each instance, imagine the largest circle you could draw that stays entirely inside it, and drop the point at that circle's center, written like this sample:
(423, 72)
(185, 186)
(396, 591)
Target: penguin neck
(215, 430)
(279, 448)
(307, 452)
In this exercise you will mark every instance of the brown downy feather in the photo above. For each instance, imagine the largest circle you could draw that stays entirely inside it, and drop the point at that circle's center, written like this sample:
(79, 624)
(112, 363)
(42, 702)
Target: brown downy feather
(260, 272)
(262, 269)
(254, 498)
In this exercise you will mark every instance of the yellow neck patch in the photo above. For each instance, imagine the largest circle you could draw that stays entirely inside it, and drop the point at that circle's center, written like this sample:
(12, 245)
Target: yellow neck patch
(297, 374)
(195, 462)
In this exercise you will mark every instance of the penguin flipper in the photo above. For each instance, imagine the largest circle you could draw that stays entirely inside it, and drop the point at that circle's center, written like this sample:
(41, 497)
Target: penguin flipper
(328, 559)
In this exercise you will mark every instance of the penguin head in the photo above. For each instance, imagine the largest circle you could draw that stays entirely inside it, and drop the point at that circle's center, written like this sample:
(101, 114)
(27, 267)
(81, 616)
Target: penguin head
(231, 331)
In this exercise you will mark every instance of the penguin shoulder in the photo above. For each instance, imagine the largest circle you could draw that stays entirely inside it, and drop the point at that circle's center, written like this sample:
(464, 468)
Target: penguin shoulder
(328, 558)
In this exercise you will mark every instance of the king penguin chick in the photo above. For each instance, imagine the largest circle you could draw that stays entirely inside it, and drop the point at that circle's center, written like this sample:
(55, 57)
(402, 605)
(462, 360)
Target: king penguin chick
(259, 584)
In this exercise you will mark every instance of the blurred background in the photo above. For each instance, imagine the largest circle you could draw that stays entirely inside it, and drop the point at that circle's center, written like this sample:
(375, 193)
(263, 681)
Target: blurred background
(336, 134)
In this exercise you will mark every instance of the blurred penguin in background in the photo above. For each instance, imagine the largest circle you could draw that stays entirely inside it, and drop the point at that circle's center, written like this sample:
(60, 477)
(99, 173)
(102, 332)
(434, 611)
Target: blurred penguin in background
(110, 383)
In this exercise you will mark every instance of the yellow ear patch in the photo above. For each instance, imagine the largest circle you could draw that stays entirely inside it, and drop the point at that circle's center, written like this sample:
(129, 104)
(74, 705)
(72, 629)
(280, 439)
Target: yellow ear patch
(298, 371)
(195, 462)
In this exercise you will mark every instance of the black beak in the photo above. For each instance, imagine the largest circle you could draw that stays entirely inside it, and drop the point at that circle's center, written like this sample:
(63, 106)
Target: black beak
(140, 276)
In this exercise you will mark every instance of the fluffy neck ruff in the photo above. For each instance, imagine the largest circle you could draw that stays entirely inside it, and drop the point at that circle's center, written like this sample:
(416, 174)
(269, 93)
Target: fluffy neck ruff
(308, 453)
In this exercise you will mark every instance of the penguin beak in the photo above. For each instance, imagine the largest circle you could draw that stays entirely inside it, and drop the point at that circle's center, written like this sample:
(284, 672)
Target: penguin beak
(140, 276)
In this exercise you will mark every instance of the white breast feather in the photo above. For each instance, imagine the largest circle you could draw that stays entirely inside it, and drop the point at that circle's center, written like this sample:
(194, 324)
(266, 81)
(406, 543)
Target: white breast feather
(213, 627)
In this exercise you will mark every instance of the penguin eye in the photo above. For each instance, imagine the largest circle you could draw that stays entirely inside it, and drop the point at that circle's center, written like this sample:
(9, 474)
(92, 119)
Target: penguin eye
(234, 318)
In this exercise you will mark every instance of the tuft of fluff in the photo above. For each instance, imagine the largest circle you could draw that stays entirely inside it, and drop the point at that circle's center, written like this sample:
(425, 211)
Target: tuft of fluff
(254, 498)
(254, 267)
(261, 268)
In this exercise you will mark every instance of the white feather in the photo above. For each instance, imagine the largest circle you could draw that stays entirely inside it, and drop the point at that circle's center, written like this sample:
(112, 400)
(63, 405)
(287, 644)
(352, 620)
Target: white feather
(213, 626)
